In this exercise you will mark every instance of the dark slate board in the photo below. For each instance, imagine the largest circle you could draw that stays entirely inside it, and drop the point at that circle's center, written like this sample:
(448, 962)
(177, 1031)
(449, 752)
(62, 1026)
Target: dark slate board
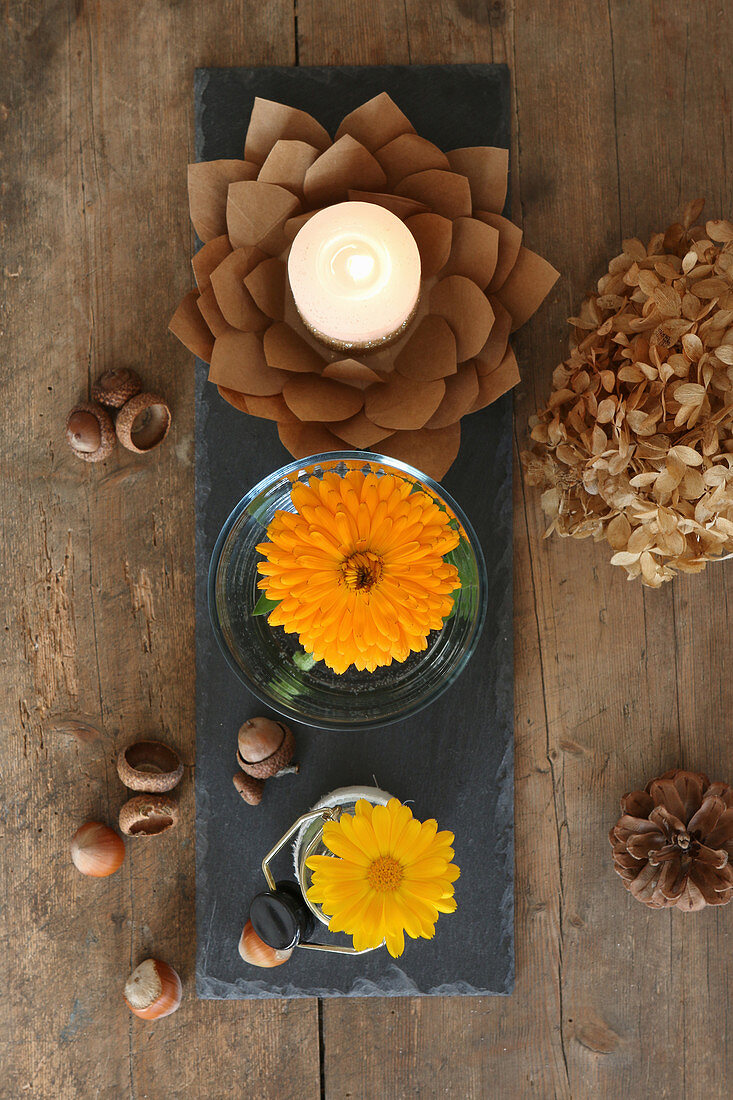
(454, 761)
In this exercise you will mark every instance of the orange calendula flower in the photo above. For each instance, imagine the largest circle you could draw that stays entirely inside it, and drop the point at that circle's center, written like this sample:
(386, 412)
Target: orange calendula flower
(391, 875)
(358, 570)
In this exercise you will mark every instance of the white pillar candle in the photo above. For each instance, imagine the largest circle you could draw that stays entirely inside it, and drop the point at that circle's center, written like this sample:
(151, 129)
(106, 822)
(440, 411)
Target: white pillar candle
(354, 271)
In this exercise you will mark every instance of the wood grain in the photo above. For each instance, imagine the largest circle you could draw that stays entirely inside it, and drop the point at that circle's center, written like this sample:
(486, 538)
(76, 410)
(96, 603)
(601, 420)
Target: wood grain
(621, 113)
(98, 563)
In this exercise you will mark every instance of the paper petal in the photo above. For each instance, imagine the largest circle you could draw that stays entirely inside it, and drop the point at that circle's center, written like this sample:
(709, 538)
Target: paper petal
(293, 226)
(433, 235)
(492, 386)
(271, 408)
(527, 285)
(398, 205)
(474, 251)
(443, 192)
(191, 329)
(494, 349)
(266, 283)
(359, 431)
(304, 439)
(238, 362)
(208, 258)
(461, 390)
(510, 241)
(467, 311)
(238, 400)
(208, 183)
(430, 351)
(256, 213)
(271, 122)
(314, 398)
(430, 450)
(407, 154)
(287, 164)
(209, 309)
(486, 169)
(352, 373)
(376, 122)
(285, 350)
(235, 301)
(347, 164)
(400, 404)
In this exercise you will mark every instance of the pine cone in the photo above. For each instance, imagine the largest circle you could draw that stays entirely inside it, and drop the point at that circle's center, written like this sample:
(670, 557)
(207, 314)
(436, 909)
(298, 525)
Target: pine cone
(672, 844)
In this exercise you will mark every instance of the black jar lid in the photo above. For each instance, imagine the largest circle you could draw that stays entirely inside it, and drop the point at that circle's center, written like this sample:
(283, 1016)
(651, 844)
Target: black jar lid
(280, 917)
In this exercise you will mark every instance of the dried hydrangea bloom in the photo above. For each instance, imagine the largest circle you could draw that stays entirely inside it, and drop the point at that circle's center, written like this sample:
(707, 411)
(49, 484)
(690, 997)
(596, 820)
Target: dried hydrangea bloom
(479, 283)
(635, 445)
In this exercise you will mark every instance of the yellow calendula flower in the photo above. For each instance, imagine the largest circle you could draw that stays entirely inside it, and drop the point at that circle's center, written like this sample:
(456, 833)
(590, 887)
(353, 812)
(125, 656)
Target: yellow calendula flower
(391, 874)
(358, 570)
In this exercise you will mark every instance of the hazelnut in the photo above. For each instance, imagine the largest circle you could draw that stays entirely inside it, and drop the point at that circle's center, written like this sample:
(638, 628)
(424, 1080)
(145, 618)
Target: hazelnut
(90, 432)
(115, 387)
(256, 952)
(97, 850)
(153, 990)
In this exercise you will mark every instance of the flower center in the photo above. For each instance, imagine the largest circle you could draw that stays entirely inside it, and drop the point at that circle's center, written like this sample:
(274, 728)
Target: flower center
(361, 571)
(385, 874)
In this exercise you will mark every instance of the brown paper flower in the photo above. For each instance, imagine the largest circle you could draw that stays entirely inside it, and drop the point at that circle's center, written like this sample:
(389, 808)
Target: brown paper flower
(479, 284)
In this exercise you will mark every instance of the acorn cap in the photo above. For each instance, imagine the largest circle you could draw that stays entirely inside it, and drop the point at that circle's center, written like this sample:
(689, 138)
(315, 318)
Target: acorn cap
(115, 387)
(277, 759)
(143, 422)
(148, 815)
(250, 788)
(149, 766)
(90, 432)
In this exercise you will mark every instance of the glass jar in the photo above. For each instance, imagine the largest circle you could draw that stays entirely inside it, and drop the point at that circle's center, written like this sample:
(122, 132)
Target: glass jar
(309, 841)
(282, 916)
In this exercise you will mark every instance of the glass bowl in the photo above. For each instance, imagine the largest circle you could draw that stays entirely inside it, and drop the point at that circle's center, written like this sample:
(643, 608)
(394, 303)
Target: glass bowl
(270, 662)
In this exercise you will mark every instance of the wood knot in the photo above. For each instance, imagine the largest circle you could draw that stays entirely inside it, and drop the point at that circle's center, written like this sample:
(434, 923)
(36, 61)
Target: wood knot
(597, 1036)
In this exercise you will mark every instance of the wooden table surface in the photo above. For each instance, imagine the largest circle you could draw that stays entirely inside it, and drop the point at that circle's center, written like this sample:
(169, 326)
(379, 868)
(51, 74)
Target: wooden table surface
(621, 112)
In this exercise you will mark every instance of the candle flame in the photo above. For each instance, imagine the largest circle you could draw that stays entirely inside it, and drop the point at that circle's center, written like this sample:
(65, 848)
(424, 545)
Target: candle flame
(360, 266)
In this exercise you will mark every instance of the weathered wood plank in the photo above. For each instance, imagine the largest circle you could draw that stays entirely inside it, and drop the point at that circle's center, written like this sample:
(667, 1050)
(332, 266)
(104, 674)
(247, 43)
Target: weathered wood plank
(671, 150)
(98, 562)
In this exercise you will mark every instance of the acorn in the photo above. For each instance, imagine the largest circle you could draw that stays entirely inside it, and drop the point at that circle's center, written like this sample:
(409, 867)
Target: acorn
(265, 748)
(114, 388)
(258, 953)
(250, 788)
(90, 432)
(148, 815)
(143, 422)
(153, 990)
(149, 766)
